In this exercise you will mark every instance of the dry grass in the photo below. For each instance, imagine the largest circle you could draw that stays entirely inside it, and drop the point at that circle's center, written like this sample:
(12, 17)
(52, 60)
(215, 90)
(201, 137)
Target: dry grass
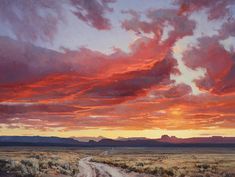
(161, 162)
(191, 164)
(29, 162)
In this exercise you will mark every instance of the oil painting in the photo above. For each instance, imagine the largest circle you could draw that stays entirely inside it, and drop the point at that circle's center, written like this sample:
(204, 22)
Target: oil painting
(117, 88)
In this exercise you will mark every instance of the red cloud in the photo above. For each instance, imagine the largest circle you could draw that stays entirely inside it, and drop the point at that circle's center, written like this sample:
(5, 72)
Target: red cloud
(218, 62)
(87, 89)
(210, 54)
(90, 89)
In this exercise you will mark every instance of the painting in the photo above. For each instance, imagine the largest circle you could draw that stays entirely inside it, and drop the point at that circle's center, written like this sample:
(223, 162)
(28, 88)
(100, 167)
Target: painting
(117, 88)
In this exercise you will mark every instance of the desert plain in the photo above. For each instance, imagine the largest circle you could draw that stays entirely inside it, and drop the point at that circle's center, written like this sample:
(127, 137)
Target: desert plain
(116, 162)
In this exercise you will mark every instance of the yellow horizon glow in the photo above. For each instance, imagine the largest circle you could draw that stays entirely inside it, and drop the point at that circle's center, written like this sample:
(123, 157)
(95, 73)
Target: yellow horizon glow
(153, 133)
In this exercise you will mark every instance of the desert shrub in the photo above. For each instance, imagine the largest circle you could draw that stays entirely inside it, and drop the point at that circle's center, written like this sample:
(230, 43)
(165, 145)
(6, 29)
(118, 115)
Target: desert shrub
(51, 163)
(3, 164)
(203, 166)
(123, 165)
(141, 164)
(31, 165)
(43, 165)
(35, 167)
(147, 170)
(157, 171)
(170, 172)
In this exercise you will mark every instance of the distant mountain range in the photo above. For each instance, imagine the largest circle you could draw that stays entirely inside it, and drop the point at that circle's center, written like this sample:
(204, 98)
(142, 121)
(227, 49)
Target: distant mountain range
(88, 138)
(164, 141)
(36, 140)
(211, 140)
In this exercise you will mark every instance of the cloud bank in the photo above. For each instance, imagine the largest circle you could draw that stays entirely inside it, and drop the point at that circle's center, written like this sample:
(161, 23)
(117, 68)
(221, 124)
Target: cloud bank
(85, 89)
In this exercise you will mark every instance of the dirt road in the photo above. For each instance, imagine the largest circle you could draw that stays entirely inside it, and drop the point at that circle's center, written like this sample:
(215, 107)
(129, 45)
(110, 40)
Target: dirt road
(92, 169)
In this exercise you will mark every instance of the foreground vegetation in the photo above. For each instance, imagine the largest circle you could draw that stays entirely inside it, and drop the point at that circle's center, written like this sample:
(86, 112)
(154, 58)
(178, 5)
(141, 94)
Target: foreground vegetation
(175, 164)
(159, 162)
(35, 162)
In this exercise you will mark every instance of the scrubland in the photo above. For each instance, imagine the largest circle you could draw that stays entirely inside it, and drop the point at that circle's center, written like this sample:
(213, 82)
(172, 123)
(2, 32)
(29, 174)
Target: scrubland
(220, 163)
(34, 161)
(159, 162)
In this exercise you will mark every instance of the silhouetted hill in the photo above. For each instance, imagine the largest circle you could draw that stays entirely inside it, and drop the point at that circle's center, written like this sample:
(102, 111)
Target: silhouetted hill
(211, 140)
(164, 141)
(88, 138)
(126, 143)
(18, 140)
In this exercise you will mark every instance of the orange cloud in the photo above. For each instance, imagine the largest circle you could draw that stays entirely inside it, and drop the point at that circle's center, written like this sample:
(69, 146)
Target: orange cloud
(86, 89)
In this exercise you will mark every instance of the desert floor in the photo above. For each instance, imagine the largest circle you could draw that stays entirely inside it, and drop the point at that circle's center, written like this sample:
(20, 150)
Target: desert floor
(116, 162)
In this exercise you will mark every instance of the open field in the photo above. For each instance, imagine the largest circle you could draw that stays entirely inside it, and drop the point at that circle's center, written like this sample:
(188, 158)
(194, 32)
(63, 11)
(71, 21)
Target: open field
(117, 162)
(173, 161)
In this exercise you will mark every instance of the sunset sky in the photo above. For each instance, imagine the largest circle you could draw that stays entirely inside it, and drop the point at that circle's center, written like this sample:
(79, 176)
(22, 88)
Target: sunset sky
(129, 68)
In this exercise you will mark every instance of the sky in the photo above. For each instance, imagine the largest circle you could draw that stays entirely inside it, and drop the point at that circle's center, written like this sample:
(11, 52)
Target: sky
(117, 68)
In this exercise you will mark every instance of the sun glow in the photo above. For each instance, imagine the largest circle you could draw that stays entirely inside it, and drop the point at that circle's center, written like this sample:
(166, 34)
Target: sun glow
(176, 112)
